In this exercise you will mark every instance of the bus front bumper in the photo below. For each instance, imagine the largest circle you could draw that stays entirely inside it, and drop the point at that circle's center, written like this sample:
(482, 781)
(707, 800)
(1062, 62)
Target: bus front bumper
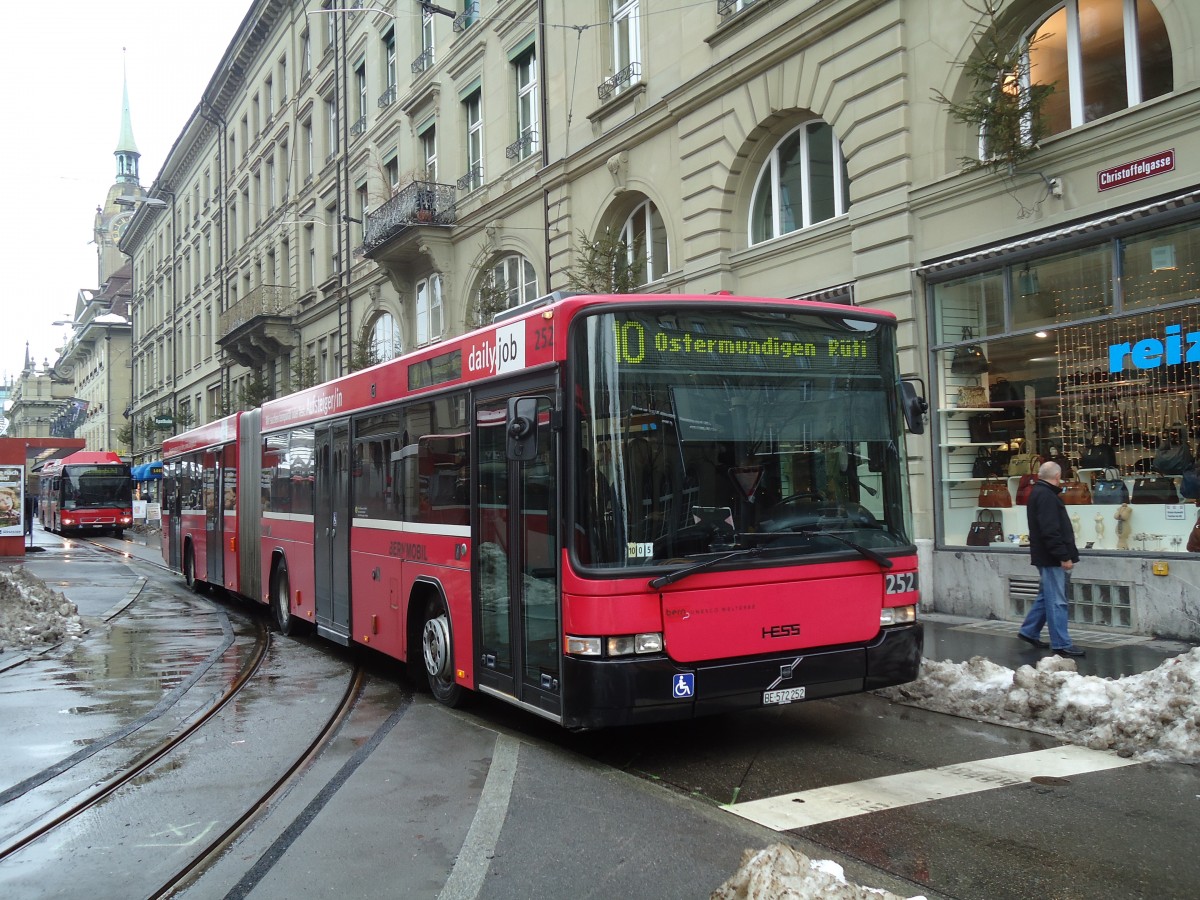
(610, 692)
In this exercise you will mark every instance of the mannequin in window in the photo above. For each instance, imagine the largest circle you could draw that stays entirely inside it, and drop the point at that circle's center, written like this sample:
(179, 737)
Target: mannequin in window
(1099, 454)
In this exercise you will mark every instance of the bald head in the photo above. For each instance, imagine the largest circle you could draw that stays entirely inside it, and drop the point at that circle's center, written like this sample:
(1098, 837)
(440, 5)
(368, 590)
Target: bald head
(1051, 472)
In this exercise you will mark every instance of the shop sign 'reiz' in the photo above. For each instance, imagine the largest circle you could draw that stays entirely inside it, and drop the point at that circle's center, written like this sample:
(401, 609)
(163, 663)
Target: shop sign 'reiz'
(1155, 164)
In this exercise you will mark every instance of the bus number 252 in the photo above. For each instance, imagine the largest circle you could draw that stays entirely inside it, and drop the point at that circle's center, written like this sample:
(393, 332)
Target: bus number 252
(900, 583)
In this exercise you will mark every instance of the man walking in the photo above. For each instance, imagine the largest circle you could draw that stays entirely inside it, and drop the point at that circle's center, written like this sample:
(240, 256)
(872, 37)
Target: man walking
(1052, 550)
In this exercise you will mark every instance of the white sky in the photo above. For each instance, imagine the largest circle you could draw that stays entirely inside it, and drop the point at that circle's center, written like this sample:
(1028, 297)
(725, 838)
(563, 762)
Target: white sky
(62, 67)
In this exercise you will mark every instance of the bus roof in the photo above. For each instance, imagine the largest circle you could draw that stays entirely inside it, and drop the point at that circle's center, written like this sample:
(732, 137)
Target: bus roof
(82, 458)
(214, 434)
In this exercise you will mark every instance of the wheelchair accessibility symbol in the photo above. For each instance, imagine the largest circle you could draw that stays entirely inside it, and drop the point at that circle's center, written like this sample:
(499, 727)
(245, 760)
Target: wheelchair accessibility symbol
(683, 685)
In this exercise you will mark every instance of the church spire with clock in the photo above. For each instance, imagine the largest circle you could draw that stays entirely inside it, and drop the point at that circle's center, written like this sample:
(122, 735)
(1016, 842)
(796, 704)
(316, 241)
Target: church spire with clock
(118, 209)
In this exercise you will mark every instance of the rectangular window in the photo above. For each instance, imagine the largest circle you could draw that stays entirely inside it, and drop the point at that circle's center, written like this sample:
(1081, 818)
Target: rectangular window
(389, 59)
(305, 55)
(434, 468)
(527, 102)
(331, 125)
(429, 152)
(473, 109)
(429, 309)
(391, 171)
(626, 21)
(360, 79)
(306, 135)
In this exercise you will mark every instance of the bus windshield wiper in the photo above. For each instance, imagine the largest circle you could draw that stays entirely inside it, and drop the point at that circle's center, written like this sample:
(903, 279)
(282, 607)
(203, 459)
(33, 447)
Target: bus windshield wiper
(671, 578)
(874, 556)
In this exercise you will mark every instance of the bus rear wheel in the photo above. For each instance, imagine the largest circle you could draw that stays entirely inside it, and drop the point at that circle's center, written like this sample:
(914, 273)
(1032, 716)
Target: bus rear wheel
(189, 570)
(281, 609)
(438, 652)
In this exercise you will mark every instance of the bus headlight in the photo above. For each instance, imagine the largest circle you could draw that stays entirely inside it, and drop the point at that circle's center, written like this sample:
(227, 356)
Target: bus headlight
(619, 645)
(630, 644)
(898, 615)
(584, 646)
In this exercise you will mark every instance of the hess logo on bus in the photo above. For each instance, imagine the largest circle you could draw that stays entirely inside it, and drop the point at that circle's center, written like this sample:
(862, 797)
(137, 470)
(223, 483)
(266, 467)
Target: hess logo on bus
(504, 353)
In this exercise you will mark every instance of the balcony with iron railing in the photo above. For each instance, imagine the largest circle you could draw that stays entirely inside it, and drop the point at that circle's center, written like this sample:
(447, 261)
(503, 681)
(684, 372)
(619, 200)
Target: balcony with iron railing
(727, 8)
(259, 326)
(472, 179)
(619, 82)
(466, 18)
(419, 203)
(423, 62)
(360, 126)
(388, 97)
(522, 146)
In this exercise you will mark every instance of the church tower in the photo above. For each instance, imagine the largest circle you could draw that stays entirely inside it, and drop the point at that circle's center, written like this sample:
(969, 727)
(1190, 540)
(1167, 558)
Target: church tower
(114, 215)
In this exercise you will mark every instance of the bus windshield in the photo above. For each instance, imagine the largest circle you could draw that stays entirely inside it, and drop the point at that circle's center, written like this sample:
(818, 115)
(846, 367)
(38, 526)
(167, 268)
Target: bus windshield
(87, 486)
(706, 431)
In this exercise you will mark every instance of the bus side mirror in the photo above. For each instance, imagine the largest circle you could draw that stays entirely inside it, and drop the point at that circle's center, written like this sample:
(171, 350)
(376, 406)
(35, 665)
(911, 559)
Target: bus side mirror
(913, 405)
(521, 428)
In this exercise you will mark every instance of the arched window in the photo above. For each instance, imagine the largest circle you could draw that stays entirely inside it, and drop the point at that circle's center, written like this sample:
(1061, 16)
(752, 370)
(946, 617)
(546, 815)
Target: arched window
(645, 238)
(1101, 56)
(510, 282)
(384, 340)
(803, 182)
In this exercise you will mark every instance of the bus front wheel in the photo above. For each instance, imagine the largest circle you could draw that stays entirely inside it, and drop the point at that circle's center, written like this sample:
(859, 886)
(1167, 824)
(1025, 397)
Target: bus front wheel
(439, 654)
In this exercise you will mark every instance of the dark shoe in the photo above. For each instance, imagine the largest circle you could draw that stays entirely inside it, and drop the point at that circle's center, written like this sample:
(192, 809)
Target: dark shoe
(1069, 651)
(1041, 645)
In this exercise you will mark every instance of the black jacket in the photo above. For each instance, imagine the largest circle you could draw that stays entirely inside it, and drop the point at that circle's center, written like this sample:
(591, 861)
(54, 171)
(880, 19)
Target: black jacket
(1051, 538)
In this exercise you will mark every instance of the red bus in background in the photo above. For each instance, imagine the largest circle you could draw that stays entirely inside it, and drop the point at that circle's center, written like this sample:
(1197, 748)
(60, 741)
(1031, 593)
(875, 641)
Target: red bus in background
(604, 509)
(86, 492)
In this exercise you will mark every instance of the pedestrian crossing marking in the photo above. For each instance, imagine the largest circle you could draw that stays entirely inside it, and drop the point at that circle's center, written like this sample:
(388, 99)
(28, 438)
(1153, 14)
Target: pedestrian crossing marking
(841, 801)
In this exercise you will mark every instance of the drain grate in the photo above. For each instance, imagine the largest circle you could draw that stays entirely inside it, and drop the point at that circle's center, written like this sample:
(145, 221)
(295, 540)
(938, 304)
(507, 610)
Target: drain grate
(1078, 636)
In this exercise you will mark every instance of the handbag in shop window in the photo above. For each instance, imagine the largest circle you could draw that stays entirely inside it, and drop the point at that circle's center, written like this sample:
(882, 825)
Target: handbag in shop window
(1076, 493)
(1154, 489)
(993, 494)
(1025, 488)
(1110, 489)
(968, 359)
(1024, 464)
(986, 529)
(972, 396)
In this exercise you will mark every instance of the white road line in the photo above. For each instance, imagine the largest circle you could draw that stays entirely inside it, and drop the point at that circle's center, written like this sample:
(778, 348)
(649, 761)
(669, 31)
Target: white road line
(475, 857)
(841, 801)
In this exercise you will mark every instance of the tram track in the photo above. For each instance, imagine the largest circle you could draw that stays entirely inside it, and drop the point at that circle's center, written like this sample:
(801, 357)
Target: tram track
(92, 808)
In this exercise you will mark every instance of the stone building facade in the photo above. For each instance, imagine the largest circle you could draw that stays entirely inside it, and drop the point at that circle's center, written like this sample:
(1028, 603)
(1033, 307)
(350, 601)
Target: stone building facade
(358, 183)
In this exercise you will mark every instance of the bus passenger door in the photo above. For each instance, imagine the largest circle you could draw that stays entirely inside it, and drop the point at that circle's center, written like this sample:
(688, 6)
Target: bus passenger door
(214, 519)
(173, 512)
(331, 527)
(516, 559)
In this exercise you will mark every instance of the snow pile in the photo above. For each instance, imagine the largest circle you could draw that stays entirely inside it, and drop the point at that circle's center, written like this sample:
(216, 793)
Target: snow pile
(782, 873)
(31, 613)
(1151, 715)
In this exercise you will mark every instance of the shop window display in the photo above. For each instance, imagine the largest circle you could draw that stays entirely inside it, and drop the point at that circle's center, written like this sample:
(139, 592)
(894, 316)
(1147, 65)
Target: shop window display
(1105, 382)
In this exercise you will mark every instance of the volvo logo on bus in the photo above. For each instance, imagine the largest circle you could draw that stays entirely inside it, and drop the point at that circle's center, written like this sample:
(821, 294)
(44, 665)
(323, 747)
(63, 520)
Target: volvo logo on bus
(505, 354)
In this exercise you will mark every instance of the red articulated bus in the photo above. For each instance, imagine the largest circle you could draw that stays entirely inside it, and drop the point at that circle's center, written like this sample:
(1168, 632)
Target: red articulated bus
(604, 509)
(86, 492)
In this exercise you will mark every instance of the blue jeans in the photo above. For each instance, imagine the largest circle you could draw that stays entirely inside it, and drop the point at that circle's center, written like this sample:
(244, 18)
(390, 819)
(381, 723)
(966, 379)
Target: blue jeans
(1050, 607)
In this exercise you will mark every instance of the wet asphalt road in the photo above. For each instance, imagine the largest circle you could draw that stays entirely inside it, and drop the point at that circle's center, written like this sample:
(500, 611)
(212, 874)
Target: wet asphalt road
(413, 800)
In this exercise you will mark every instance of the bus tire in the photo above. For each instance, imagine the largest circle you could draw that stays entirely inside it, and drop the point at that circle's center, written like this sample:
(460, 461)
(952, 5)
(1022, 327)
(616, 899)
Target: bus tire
(281, 609)
(437, 650)
(189, 570)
